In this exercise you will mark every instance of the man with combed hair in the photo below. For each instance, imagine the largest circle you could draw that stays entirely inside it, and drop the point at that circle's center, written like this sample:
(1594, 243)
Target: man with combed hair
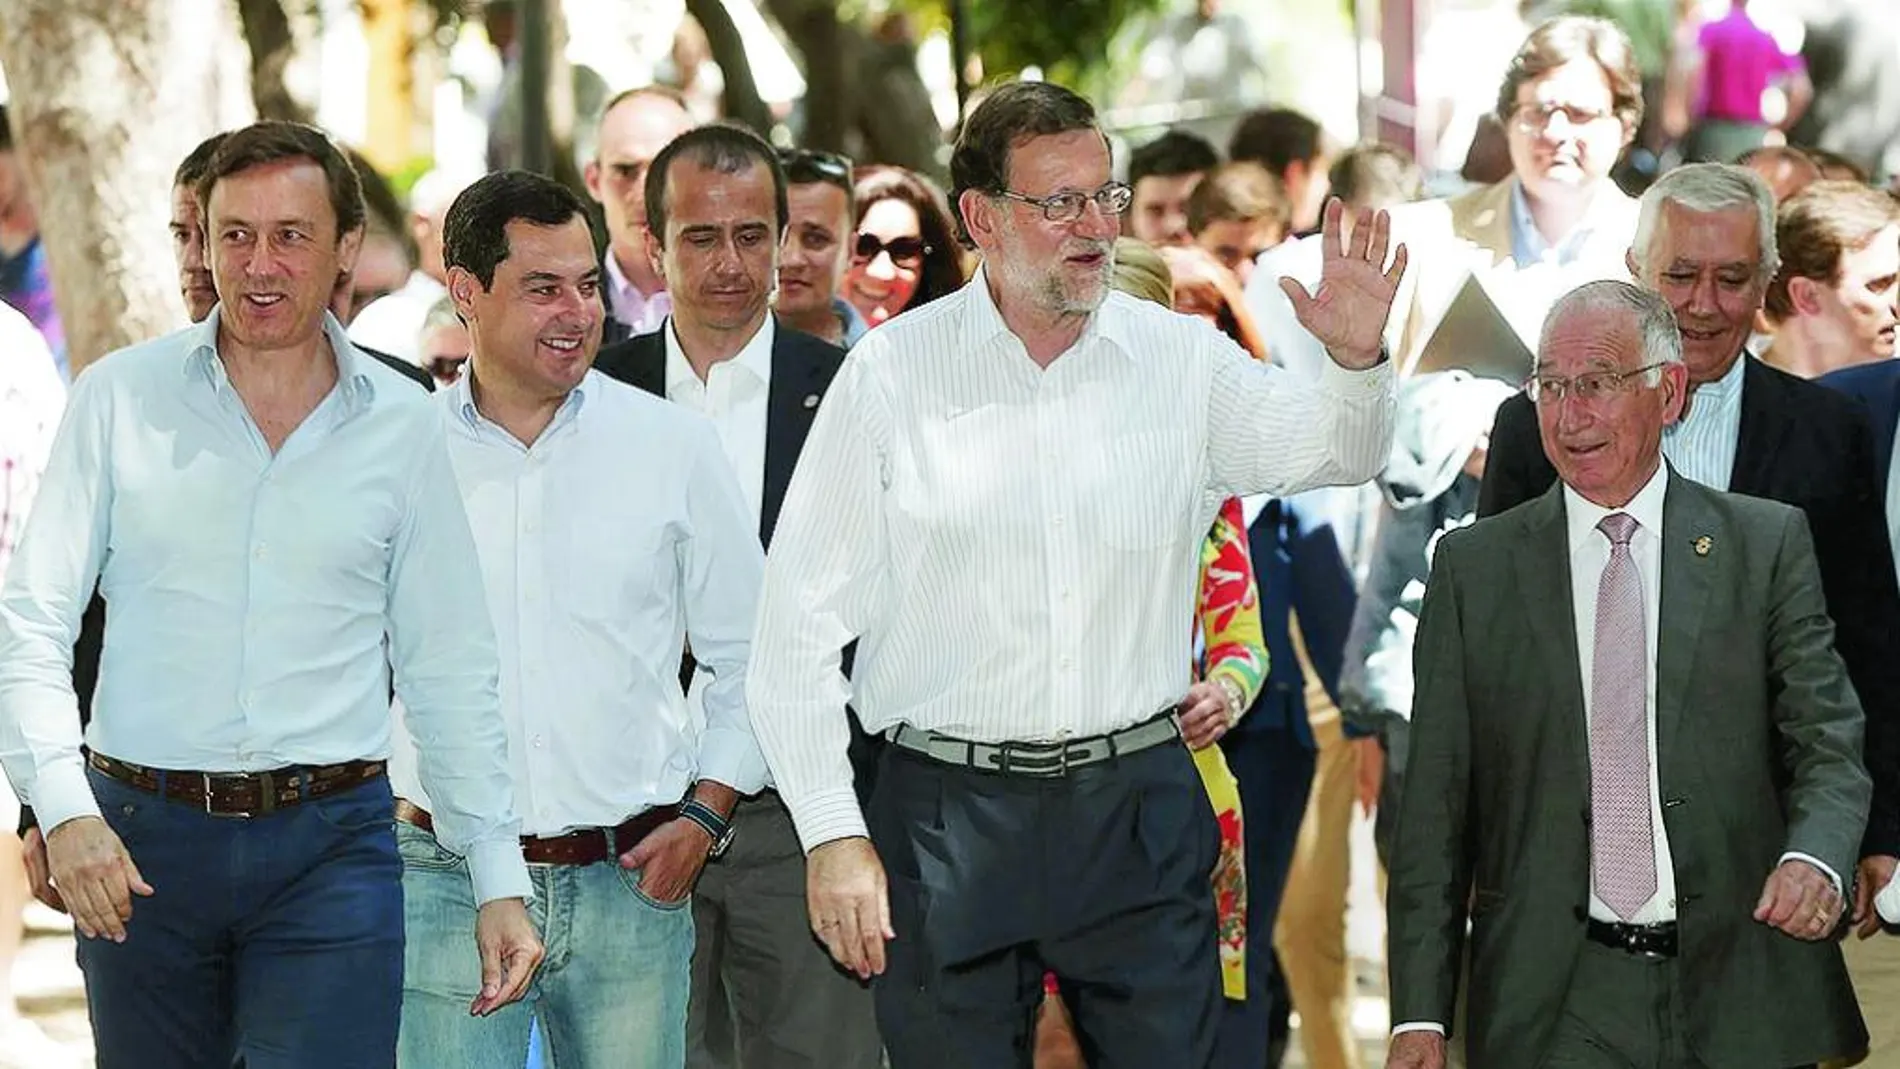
(1832, 303)
(1705, 240)
(1635, 768)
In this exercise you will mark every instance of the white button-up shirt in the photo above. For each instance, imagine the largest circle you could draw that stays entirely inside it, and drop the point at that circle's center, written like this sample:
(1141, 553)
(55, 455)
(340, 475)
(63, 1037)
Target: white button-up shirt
(619, 532)
(1018, 547)
(734, 396)
(31, 398)
(1702, 444)
(253, 594)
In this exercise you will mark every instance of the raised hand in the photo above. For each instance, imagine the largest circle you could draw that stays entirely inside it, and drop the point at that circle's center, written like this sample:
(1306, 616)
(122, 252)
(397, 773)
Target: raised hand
(1356, 287)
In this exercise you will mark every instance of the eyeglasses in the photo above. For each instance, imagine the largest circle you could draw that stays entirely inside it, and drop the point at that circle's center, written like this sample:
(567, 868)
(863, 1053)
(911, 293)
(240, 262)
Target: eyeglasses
(1591, 386)
(806, 165)
(1536, 118)
(1112, 199)
(907, 252)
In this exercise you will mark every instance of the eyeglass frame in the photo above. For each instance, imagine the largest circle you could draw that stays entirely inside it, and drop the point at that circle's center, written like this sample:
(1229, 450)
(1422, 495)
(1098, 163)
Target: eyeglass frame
(924, 249)
(1617, 384)
(1116, 190)
(1550, 110)
(834, 168)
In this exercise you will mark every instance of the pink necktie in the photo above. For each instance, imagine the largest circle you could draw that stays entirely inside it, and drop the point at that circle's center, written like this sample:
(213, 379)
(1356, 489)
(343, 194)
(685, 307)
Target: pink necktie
(1622, 839)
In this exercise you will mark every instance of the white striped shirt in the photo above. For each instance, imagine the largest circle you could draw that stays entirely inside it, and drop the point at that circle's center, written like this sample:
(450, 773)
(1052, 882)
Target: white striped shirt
(1017, 548)
(1702, 445)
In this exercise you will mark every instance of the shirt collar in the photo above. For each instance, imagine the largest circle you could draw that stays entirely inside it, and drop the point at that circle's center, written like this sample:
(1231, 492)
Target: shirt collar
(627, 298)
(1527, 242)
(754, 358)
(1582, 515)
(984, 322)
(1725, 389)
(352, 367)
(460, 397)
(854, 324)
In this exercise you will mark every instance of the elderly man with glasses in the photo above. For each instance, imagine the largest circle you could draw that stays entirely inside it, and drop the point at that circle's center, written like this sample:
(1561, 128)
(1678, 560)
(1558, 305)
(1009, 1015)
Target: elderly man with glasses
(1003, 499)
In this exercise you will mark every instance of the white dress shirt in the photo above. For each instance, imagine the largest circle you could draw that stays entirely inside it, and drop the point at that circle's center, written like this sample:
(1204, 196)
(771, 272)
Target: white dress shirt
(393, 322)
(617, 534)
(1016, 546)
(734, 397)
(637, 311)
(258, 600)
(1701, 446)
(31, 397)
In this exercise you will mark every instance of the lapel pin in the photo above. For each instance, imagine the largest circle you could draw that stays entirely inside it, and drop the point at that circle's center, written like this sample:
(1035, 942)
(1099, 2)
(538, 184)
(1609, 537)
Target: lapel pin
(1703, 545)
(811, 400)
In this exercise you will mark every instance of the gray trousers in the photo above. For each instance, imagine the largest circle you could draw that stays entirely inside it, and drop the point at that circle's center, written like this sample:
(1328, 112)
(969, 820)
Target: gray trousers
(765, 993)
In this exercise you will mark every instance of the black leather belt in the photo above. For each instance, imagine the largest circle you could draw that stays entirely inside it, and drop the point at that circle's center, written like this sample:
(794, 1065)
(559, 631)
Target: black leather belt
(1039, 759)
(1654, 940)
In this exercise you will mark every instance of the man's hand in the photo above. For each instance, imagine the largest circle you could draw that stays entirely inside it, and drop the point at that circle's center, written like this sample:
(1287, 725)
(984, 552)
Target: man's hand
(1204, 715)
(1371, 772)
(1876, 872)
(1416, 1050)
(669, 859)
(510, 950)
(95, 877)
(850, 904)
(33, 849)
(1356, 288)
(1799, 900)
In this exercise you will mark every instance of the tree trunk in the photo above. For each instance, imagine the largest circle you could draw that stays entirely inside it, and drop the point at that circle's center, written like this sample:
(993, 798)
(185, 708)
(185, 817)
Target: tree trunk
(273, 45)
(108, 96)
(894, 109)
(830, 50)
(742, 100)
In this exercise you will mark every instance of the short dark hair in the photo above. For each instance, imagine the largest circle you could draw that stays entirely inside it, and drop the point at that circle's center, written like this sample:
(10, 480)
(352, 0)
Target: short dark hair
(1171, 155)
(723, 147)
(1816, 227)
(942, 270)
(1241, 192)
(1277, 138)
(1009, 115)
(1373, 174)
(196, 162)
(475, 231)
(274, 140)
(804, 167)
(1565, 39)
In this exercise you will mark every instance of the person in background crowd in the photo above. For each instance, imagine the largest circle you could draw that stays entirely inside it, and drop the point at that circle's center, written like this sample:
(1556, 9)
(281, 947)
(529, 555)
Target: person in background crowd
(1831, 304)
(937, 459)
(1835, 167)
(1294, 150)
(904, 254)
(817, 248)
(1205, 288)
(1733, 65)
(1634, 797)
(1786, 169)
(445, 345)
(1163, 173)
(1367, 177)
(1706, 242)
(347, 525)
(764, 996)
(626, 795)
(31, 397)
(26, 282)
(634, 126)
(393, 323)
(1237, 213)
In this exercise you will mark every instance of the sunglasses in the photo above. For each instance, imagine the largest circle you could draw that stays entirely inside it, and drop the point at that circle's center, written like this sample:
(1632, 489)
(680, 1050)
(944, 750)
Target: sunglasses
(908, 252)
(804, 165)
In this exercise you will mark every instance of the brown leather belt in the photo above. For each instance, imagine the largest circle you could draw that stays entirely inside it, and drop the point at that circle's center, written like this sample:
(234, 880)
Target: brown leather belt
(239, 794)
(584, 846)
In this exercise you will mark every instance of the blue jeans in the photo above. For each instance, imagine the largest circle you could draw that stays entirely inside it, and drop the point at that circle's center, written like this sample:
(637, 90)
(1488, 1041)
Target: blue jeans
(610, 995)
(277, 938)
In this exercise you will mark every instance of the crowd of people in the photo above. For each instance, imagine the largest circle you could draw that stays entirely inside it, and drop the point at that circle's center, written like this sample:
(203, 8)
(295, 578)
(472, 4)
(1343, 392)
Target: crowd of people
(825, 619)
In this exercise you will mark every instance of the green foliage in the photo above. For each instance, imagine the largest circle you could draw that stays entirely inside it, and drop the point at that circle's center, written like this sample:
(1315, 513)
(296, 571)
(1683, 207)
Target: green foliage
(1071, 40)
(1650, 25)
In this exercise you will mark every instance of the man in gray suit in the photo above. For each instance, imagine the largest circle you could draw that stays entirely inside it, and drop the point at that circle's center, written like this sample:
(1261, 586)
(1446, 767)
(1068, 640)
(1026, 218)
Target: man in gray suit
(1635, 757)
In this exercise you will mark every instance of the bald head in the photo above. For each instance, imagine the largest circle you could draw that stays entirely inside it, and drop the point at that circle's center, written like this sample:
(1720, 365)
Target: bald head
(635, 126)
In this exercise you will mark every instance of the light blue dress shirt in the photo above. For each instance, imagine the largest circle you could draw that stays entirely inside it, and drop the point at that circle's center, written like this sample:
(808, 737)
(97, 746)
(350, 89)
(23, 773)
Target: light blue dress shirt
(1528, 246)
(1701, 445)
(257, 601)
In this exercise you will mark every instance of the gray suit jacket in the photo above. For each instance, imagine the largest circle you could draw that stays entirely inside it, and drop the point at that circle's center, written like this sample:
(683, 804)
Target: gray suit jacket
(1758, 752)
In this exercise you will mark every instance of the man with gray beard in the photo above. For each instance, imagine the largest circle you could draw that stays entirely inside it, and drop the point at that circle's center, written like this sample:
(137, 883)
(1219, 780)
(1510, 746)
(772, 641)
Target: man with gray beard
(1004, 497)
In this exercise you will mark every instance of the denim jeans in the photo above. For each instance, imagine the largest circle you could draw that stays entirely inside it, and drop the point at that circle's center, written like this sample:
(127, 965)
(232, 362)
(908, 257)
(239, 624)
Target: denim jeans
(611, 993)
(277, 939)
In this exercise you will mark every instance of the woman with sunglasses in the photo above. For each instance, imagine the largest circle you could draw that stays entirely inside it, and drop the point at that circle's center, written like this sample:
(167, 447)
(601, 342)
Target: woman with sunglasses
(905, 254)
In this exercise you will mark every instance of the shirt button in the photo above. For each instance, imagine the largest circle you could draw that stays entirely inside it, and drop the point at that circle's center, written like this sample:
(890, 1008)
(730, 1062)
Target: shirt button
(1065, 593)
(1068, 664)
(537, 742)
(1058, 521)
(260, 551)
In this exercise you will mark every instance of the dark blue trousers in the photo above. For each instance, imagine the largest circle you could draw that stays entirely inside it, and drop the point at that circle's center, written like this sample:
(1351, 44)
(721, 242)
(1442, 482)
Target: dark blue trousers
(277, 939)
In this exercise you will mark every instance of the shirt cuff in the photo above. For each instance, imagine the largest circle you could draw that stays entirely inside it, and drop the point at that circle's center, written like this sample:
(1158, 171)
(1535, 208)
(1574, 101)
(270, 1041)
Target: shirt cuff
(732, 758)
(1796, 855)
(61, 793)
(826, 816)
(1418, 1026)
(496, 870)
(1367, 384)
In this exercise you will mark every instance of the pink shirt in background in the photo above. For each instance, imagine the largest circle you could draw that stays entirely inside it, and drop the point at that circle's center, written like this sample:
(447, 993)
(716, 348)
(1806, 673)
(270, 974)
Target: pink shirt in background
(1739, 61)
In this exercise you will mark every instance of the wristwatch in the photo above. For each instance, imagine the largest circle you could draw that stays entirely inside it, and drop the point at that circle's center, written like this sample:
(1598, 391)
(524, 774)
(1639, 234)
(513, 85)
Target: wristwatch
(717, 826)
